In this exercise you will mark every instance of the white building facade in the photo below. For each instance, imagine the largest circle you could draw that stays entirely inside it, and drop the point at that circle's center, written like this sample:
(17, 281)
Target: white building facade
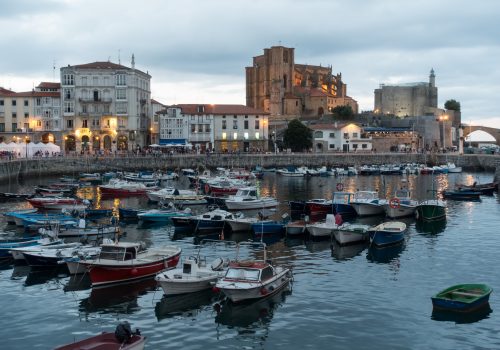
(220, 128)
(106, 106)
(339, 138)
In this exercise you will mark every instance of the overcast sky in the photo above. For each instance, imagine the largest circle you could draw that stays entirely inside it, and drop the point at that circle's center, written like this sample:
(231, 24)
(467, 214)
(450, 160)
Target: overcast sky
(196, 51)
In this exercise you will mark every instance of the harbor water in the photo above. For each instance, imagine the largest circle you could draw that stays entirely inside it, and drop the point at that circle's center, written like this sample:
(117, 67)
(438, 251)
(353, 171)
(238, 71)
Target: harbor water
(352, 297)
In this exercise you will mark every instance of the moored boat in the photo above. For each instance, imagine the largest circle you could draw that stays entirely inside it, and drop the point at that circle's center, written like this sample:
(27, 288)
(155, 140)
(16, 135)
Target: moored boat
(351, 233)
(387, 233)
(462, 297)
(462, 194)
(193, 276)
(431, 209)
(122, 262)
(401, 205)
(367, 203)
(247, 198)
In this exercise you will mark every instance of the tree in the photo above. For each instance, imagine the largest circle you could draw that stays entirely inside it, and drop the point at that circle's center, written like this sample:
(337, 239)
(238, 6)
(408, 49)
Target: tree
(452, 105)
(344, 112)
(297, 136)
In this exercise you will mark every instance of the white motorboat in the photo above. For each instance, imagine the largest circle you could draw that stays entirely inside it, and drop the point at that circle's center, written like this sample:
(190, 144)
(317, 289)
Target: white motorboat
(168, 194)
(324, 228)
(351, 233)
(194, 276)
(452, 168)
(247, 198)
(400, 205)
(48, 257)
(367, 203)
(82, 230)
(253, 279)
(294, 228)
(17, 253)
(240, 223)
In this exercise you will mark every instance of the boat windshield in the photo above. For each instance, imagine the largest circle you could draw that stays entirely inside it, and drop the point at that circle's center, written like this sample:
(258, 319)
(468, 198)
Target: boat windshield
(243, 274)
(342, 198)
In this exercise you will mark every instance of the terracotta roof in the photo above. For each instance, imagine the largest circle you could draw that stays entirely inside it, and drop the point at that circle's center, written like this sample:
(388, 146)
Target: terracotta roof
(219, 109)
(289, 95)
(100, 65)
(49, 85)
(6, 91)
(36, 94)
(158, 103)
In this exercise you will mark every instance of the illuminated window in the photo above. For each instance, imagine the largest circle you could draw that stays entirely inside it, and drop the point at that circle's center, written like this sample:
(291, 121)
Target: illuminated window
(257, 135)
(245, 136)
(235, 136)
(224, 136)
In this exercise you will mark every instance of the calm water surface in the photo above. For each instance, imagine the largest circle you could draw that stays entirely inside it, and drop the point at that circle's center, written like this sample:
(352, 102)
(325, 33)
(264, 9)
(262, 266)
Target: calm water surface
(346, 298)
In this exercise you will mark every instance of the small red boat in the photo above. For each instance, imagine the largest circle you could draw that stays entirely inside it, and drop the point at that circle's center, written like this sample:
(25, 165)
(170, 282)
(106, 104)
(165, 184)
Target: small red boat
(126, 188)
(222, 191)
(123, 262)
(57, 203)
(122, 339)
(319, 206)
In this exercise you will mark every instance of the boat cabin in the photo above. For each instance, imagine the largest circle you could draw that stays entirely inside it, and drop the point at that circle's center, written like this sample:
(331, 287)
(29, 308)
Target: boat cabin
(342, 197)
(119, 252)
(249, 271)
(365, 196)
(247, 192)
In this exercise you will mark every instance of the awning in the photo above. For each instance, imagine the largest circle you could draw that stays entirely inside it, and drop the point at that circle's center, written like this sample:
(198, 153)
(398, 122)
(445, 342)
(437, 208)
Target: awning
(173, 142)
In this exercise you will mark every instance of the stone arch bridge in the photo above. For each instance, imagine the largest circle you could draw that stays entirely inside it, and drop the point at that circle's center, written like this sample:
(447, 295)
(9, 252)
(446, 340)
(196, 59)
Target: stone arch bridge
(468, 129)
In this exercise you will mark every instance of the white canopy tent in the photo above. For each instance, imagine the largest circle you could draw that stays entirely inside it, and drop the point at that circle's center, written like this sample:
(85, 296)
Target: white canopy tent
(20, 148)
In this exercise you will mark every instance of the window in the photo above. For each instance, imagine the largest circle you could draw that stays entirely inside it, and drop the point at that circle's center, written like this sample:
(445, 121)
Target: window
(200, 127)
(223, 125)
(235, 136)
(38, 101)
(245, 135)
(68, 107)
(2, 126)
(68, 79)
(364, 146)
(332, 135)
(246, 125)
(193, 128)
(355, 145)
(1, 104)
(14, 102)
(84, 108)
(235, 124)
(332, 145)
(121, 80)
(68, 94)
(346, 135)
(26, 115)
(257, 124)
(14, 127)
(26, 126)
(14, 115)
(121, 108)
(84, 123)
(39, 123)
(354, 135)
(257, 135)
(318, 134)
(207, 128)
(26, 103)
(69, 123)
(121, 94)
(224, 136)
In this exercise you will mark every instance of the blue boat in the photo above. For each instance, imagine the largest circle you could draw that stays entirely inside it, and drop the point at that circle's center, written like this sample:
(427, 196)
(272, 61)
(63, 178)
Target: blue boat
(462, 194)
(462, 297)
(7, 244)
(268, 228)
(162, 216)
(387, 233)
(342, 204)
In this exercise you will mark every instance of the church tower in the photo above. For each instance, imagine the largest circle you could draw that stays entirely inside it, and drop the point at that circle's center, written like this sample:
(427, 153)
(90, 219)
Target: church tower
(432, 78)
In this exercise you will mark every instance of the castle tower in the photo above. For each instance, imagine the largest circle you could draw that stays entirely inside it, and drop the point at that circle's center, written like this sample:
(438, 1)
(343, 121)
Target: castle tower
(432, 78)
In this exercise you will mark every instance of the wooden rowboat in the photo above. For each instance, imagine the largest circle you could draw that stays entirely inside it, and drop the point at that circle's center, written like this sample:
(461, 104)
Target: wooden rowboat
(462, 297)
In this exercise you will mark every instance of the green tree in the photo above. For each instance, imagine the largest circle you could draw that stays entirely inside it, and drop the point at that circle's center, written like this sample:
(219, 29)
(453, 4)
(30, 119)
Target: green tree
(297, 136)
(452, 105)
(343, 112)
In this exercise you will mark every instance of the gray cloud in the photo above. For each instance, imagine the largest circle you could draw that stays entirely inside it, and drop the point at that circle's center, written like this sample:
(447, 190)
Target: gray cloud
(207, 44)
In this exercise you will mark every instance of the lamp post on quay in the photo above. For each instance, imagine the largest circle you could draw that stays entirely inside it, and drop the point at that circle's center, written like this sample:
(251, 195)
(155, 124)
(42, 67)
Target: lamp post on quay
(443, 118)
(26, 141)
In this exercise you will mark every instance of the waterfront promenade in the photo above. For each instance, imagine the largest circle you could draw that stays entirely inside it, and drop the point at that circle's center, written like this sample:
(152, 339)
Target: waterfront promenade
(87, 163)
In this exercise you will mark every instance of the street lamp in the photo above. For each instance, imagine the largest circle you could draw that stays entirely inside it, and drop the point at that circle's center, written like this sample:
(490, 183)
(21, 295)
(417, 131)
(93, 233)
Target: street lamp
(26, 141)
(443, 118)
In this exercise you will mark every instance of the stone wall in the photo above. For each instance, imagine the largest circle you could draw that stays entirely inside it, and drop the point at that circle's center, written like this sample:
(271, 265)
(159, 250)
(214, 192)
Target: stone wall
(74, 166)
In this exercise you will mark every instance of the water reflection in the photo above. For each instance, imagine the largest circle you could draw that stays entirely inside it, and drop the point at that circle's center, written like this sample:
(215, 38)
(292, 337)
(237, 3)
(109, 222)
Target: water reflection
(347, 252)
(249, 313)
(35, 277)
(187, 305)
(385, 255)
(78, 282)
(431, 227)
(317, 246)
(459, 318)
(20, 271)
(118, 298)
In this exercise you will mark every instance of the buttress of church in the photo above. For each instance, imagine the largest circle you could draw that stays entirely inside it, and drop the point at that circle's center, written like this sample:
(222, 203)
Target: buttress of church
(279, 86)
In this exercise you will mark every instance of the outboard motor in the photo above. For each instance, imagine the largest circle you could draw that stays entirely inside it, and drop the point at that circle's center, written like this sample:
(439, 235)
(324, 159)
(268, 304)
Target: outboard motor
(123, 332)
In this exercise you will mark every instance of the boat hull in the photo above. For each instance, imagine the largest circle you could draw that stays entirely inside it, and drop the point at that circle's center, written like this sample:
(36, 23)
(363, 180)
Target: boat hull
(385, 238)
(180, 286)
(102, 274)
(462, 298)
(430, 212)
(319, 231)
(346, 236)
(368, 209)
(269, 228)
(253, 204)
(400, 212)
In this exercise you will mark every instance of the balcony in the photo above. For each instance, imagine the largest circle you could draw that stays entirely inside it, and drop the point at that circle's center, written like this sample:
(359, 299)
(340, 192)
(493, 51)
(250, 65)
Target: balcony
(94, 100)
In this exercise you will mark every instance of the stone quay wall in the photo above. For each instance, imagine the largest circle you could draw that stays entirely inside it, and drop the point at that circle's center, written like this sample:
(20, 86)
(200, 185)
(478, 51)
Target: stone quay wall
(40, 167)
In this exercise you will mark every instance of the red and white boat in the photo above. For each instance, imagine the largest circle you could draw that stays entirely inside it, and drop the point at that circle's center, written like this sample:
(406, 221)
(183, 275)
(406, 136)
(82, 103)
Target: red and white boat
(58, 203)
(319, 206)
(118, 187)
(123, 261)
